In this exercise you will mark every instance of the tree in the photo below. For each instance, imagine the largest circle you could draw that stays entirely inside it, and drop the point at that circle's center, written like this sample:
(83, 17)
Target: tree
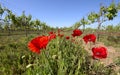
(37, 24)
(1, 11)
(76, 25)
(44, 26)
(84, 22)
(1, 28)
(105, 14)
(31, 25)
(1, 20)
(25, 21)
(7, 19)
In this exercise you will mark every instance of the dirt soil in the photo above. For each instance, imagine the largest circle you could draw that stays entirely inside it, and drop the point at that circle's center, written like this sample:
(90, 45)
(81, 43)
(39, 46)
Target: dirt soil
(113, 53)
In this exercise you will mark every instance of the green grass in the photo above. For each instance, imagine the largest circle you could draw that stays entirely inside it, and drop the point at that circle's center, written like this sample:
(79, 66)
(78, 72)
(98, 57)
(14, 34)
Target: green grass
(61, 57)
(113, 41)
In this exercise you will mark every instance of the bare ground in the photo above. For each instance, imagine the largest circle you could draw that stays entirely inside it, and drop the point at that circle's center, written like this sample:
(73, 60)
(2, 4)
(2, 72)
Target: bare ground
(113, 53)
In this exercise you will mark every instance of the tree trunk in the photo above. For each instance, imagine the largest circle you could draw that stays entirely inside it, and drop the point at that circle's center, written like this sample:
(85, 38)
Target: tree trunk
(8, 31)
(99, 25)
(26, 31)
(83, 28)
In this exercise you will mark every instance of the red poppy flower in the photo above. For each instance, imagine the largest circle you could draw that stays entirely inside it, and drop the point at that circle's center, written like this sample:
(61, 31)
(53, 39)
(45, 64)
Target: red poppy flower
(89, 38)
(99, 52)
(60, 35)
(38, 43)
(51, 32)
(43, 42)
(59, 31)
(67, 37)
(52, 36)
(76, 32)
(73, 35)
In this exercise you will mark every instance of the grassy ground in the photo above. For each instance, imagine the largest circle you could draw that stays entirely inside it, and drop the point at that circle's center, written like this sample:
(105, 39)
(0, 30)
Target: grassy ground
(60, 58)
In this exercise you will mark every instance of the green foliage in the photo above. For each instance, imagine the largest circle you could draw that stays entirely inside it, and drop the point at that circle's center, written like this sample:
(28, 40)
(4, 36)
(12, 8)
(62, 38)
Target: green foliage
(84, 22)
(115, 29)
(111, 36)
(111, 11)
(103, 10)
(61, 57)
(1, 10)
(117, 61)
(115, 39)
(93, 17)
(76, 25)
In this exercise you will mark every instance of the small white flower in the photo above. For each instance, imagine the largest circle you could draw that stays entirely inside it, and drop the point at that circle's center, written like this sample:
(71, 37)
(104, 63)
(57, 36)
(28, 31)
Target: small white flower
(29, 65)
(23, 56)
(118, 73)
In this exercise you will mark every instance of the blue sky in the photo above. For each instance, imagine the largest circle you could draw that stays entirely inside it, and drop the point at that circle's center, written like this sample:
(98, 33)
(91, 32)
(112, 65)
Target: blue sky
(57, 13)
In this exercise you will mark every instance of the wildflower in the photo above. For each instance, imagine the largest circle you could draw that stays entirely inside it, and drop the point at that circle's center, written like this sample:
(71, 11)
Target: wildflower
(67, 37)
(29, 65)
(76, 32)
(89, 38)
(43, 42)
(99, 52)
(23, 56)
(60, 35)
(52, 36)
(51, 32)
(59, 31)
(73, 35)
(55, 57)
(38, 43)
